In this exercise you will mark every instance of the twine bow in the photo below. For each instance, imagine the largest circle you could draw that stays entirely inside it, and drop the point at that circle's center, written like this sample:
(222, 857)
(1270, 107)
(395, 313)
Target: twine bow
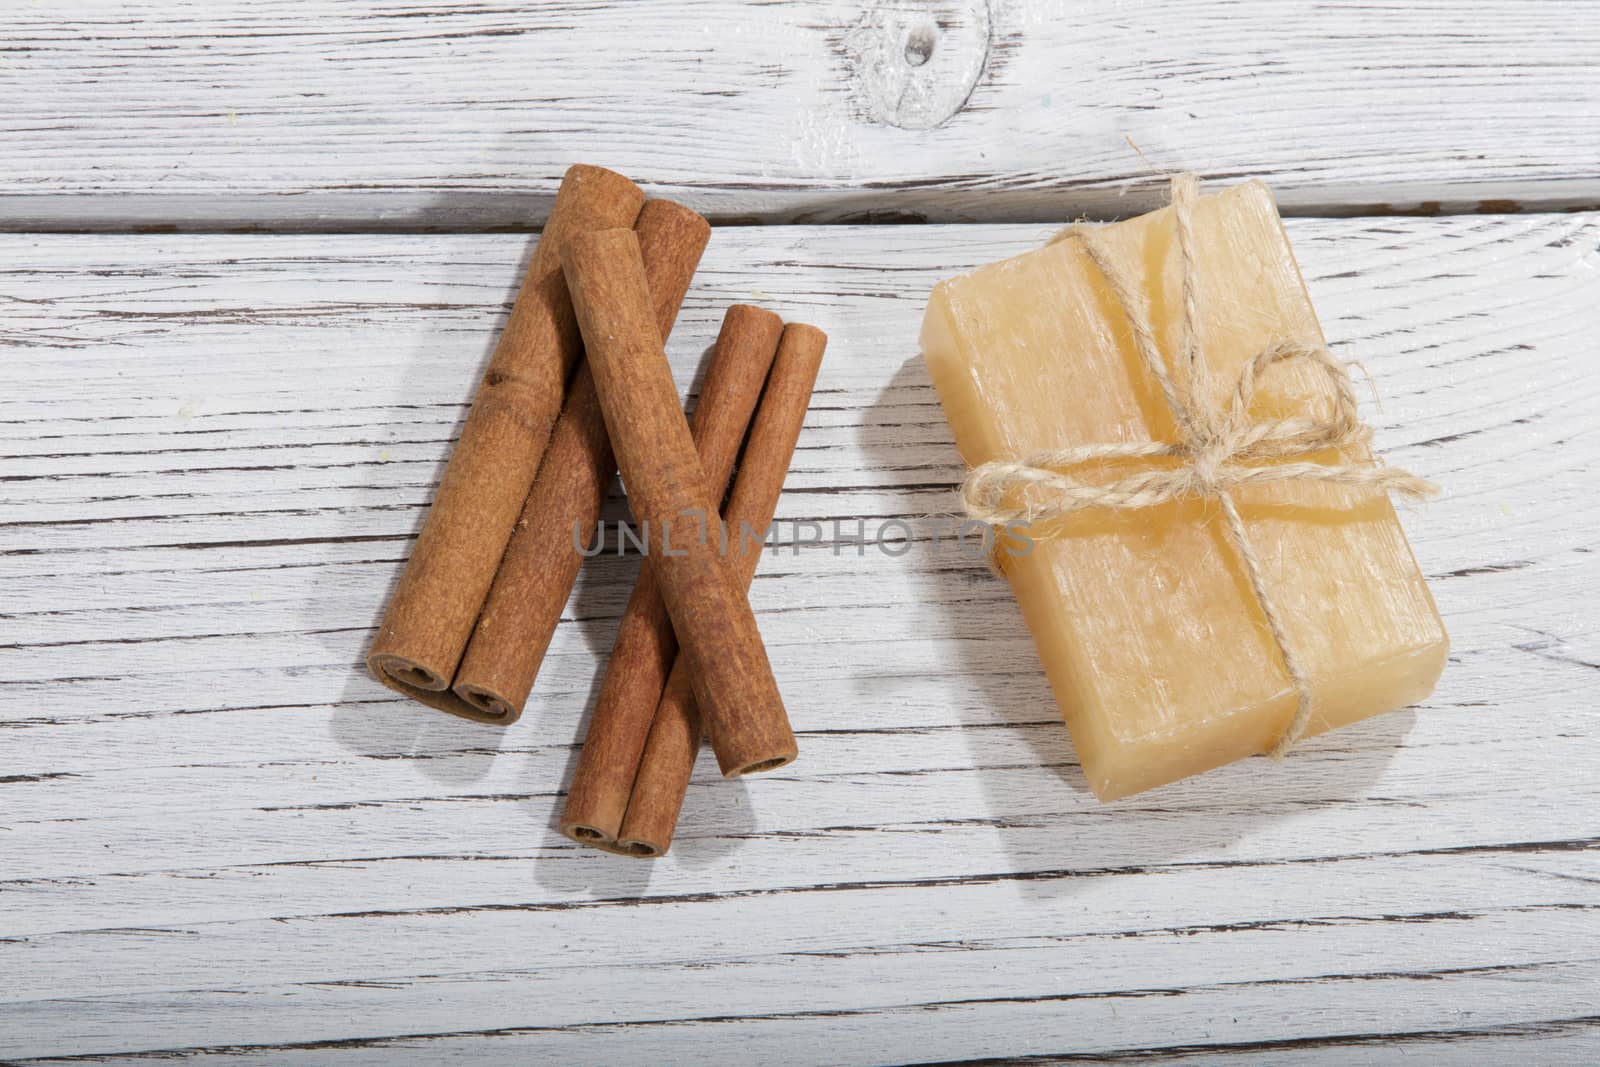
(1220, 447)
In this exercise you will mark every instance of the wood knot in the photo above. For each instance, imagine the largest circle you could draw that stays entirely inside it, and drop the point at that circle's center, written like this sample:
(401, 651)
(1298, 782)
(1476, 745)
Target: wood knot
(915, 69)
(920, 40)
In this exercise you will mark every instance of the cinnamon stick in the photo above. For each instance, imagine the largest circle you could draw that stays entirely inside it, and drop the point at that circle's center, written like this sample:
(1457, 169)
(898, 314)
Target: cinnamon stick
(441, 590)
(674, 740)
(541, 562)
(646, 643)
(667, 489)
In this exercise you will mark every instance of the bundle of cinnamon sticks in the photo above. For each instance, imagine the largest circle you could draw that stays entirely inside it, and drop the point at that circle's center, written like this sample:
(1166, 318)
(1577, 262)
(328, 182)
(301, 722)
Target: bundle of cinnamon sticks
(578, 388)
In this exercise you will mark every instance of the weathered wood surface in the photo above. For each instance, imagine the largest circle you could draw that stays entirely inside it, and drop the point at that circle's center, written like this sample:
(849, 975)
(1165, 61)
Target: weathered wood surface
(461, 114)
(217, 834)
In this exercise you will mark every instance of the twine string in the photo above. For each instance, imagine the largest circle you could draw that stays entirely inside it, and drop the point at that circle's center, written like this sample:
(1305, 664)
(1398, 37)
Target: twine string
(1220, 446)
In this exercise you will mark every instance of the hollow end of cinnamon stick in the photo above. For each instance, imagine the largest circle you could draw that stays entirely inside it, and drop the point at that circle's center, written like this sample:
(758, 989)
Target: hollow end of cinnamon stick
(445, 700)
(770, 764)
(407, 672)
(596, 837)
(488, 703)
(585, 834)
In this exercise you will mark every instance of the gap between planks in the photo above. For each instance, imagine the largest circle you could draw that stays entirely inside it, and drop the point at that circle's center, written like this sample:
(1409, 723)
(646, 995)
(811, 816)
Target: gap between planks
(336, 216)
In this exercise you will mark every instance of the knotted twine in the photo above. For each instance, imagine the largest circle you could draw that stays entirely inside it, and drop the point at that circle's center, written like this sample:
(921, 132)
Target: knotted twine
(1220, 445)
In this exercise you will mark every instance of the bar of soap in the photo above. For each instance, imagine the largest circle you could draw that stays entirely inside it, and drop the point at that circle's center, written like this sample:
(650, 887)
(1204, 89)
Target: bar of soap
(1153, 643)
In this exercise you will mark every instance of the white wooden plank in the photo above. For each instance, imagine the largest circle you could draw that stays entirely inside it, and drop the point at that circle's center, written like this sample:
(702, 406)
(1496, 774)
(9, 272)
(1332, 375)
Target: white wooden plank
(216, 450)
(1115, 886)
(1334, 1012)
(461, 114)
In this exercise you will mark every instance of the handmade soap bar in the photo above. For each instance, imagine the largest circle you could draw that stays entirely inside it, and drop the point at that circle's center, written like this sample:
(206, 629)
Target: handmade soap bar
(1152, 639)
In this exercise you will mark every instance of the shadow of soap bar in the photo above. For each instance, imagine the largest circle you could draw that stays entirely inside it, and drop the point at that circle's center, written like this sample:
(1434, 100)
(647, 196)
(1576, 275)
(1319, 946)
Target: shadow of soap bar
(1153, 642)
